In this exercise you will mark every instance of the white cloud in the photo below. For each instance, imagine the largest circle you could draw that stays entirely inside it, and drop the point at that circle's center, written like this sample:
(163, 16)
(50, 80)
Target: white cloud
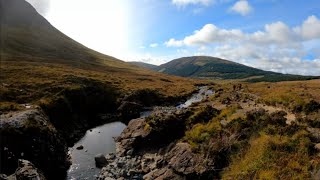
(182, 3)
(277, 33)
(153, 45)
(174, 43)
(277, 47)
(242, 7)
(310, 28)
(206, 35)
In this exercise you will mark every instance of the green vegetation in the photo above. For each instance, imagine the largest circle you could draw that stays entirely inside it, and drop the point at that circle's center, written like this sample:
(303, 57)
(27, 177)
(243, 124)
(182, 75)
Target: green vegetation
(300, 96)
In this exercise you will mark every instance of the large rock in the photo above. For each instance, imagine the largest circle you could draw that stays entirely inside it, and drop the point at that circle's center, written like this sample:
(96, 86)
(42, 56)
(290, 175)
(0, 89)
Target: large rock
(134, 132)
(185, 162)
(164, 173)
(26, 171)
(30, 135)
(100, 160)
(129, 110)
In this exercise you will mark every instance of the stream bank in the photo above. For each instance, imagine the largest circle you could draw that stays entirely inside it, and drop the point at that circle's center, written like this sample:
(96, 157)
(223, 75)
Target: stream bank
(100, 140)
(43, 133)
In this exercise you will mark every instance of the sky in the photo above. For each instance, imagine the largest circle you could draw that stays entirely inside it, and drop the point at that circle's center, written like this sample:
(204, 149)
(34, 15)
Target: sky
(276, 35)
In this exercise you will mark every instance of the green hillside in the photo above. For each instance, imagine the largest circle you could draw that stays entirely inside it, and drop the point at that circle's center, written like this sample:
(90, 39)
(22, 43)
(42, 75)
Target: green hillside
(216, 68)
(145, 65)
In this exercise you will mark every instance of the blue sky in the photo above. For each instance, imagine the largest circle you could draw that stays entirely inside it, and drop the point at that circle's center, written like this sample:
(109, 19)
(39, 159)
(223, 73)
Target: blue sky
(282, 36)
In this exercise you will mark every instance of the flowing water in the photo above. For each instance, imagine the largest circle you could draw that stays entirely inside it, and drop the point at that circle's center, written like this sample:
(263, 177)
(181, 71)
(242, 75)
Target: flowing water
(100, 140)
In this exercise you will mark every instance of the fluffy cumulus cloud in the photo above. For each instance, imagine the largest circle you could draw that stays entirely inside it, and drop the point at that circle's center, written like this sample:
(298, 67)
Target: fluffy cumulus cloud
(182, 3)
(207, 35)
(277, 47)
(242, 7)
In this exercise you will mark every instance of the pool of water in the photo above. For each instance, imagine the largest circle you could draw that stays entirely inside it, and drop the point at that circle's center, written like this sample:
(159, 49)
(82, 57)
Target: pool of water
(98, 140)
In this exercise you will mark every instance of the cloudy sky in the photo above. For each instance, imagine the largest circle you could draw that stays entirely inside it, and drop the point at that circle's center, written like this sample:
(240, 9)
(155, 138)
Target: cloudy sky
(276, 35)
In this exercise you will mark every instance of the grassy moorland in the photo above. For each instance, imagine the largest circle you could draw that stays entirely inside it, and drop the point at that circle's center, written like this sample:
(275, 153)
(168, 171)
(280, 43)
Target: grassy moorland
(253, 131)
(38, 63)
(261, 130)
(29, 80)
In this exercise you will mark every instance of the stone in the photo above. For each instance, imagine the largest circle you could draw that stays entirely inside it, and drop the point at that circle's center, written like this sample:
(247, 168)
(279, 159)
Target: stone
(130, 152)
(100, 160)
(3, 177)
(80, 147)
(164, 173)
(182, 159)
(317, 146)
(120, 164)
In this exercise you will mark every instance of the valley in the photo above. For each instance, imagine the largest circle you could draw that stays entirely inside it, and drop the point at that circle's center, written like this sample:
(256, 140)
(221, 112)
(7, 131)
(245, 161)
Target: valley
(70, 112)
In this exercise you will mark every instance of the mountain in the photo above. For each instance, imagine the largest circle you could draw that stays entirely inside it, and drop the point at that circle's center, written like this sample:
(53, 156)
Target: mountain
(145, 65)
(215, 68)
(32, 48)
(53, 89)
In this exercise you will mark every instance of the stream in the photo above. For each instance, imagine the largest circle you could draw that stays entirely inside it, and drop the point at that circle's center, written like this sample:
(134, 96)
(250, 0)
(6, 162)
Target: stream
(100, 140)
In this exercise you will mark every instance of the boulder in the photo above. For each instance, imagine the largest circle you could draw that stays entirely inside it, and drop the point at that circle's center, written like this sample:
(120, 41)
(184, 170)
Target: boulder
(164, 173)
(133, 132)
(100, 160)
(130, 110)
(25, 171)
(184, 161)
(29, 134)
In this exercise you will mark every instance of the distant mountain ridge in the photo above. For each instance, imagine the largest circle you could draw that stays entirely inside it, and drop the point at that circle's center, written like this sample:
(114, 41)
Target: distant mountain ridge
(216, 68)
(145, 65)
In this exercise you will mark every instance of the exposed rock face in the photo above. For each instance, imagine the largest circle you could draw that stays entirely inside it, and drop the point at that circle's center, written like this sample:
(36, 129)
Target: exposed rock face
(129, 110)
(131, 135)
(164, 173)
(179, 163)
(185, 162)
(29, 135)
(174, 161)
(26, 171)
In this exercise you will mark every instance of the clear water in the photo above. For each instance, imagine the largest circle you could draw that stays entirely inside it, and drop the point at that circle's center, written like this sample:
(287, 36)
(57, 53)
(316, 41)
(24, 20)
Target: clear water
(99, 140)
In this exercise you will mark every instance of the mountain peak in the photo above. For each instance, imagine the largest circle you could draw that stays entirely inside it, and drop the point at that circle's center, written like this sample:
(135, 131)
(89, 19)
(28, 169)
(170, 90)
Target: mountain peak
(20, 13)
